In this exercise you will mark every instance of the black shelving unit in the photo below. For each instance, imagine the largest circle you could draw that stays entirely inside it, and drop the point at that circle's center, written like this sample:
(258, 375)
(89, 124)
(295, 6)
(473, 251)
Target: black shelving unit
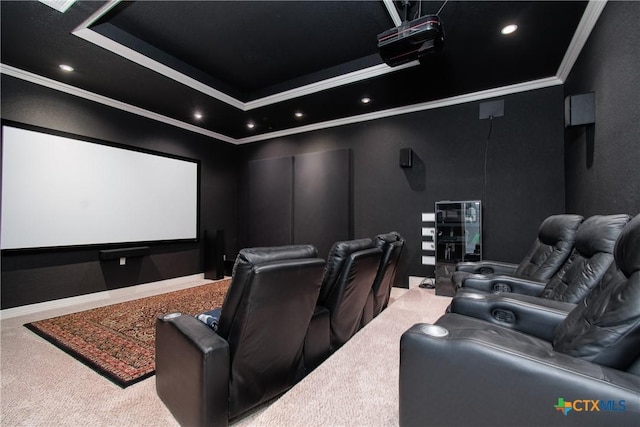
(458, 238)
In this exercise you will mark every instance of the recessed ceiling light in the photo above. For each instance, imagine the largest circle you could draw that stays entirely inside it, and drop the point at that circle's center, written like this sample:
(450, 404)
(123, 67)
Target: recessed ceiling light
(65, 67)
(251, 125)
(365, 100)
(197, 115)
(509, 29)
(298, 114)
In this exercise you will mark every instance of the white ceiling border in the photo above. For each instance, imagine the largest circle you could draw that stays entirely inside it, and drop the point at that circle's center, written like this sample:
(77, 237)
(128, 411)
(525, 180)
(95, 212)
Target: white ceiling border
(81, 93)
(445, 102)
(585, 26)
(393, 12)
(84, 32)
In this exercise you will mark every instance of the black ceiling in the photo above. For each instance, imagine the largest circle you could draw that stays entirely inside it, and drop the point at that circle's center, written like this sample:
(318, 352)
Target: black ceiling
(260, 61)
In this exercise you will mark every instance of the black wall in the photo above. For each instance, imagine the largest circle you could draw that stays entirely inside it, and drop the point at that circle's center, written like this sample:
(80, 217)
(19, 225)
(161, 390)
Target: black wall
(302, 199)
(603, 160)
(37, 277)
(525, 177)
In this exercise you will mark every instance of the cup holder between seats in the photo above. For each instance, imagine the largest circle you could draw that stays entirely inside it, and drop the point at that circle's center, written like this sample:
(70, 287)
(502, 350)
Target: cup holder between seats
(171, 316)
(434, 331)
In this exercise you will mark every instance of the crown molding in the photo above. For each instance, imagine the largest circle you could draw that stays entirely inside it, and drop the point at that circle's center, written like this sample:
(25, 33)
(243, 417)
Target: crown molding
(393, 12)
(585, 26)
(84, 32)
(81, 93)
(445, 102)
(430, 105)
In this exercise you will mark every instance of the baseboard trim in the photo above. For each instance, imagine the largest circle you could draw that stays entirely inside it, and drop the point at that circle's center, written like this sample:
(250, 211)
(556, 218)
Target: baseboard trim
(122, 294)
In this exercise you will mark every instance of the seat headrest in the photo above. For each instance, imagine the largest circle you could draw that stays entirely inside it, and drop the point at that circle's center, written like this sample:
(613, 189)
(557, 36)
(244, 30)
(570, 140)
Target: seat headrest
(341, 250)
(391, 237)
(558, 228)
(627, 249)
(599, 233)
(255, 256)
(338, 255)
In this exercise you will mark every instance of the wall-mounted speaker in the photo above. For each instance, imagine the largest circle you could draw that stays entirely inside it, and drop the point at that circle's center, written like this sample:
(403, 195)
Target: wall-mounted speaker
(406, 157)
(580, 109)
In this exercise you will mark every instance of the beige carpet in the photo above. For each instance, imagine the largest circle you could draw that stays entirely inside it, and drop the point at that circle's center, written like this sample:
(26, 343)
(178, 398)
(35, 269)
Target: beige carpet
(43, 386)
(358, 385)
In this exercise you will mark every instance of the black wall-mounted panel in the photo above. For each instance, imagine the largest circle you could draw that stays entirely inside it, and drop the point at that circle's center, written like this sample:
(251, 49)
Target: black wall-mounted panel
(270, 195)
(491, 109)
(321, 207)
(580, 109)
(406, 157)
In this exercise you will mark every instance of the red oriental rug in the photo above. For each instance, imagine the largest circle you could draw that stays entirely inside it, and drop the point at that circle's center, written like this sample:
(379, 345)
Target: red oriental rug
(118, 341)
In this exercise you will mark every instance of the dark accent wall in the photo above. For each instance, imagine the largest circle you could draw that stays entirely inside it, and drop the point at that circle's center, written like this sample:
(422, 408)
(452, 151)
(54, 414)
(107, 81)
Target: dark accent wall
(36, 277)
(524, 181)
(322, 199)
(602, 164)
(270, 195)
(302, 199)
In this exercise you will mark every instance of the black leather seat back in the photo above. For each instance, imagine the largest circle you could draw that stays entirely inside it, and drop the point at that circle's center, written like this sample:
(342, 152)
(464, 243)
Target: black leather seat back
(605, 327)
(392, 245)
(347, 297)
(553, 247)
(338, 256)
(242, 273)
(265, 319)
(592, 256)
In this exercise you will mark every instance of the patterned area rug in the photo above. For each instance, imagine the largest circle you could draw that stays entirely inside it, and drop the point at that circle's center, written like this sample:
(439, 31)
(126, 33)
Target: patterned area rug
(118, 341)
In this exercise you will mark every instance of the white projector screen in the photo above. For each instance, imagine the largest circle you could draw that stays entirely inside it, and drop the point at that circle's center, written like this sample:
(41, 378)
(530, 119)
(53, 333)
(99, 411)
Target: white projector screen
(58, 191)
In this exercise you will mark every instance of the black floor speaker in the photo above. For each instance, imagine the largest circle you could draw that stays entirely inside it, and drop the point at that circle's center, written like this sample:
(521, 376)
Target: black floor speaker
(219, 254)
(214, 255)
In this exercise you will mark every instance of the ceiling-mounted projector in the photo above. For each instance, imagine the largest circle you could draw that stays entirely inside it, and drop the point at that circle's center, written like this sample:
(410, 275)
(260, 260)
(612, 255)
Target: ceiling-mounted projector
(411, 40)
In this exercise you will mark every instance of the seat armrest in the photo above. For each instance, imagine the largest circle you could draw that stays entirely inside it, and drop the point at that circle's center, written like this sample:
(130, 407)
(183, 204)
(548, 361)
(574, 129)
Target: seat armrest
(531, 315)
(474, 379)
(504, 283)
(487, 267)
(192, 371)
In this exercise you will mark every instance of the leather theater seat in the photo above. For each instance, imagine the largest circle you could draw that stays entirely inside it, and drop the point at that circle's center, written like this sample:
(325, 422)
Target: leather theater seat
(465, 371)
(552, 247)
(391, 245)
(351, 269)
(206, 377)
(532, 304)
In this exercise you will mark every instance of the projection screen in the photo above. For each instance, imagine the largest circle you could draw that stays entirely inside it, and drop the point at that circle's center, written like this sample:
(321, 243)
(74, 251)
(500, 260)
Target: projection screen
(59, 191)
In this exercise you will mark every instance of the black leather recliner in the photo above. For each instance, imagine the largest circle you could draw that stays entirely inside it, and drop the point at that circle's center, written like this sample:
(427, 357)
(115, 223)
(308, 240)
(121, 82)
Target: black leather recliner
(206, 377)
(391, 245)
(521, 308)
(546, 255)
(350, 272)
(464, 371)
